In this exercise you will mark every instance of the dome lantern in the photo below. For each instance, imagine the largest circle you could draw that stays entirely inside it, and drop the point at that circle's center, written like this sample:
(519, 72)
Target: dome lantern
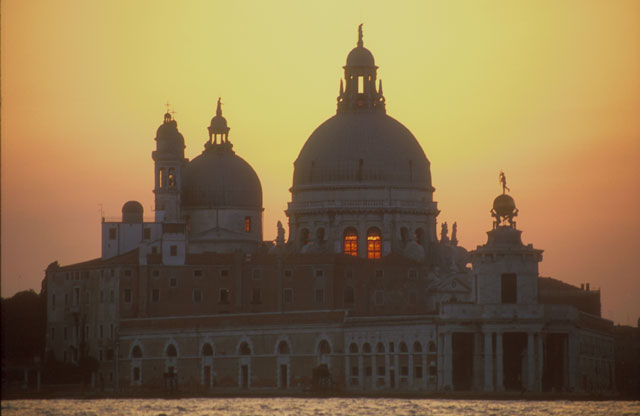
(360, 76)
(218, 127)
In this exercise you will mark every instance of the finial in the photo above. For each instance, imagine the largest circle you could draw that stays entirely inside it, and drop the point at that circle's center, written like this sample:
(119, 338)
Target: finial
(341, 88)
(503, 182)
(360, 43)
(219, 109)
(380, 86)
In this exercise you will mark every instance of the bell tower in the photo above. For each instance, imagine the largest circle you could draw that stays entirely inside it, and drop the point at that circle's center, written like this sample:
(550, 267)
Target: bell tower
(169, 160)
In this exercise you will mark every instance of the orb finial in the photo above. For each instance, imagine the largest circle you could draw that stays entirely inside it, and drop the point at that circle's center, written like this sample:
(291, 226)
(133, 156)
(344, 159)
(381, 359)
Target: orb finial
(504, 207)
(360, 43)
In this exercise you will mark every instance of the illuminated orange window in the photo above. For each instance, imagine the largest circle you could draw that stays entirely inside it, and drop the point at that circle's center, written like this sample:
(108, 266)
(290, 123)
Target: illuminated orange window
(374, 244)
(247, 224)
(351, 242)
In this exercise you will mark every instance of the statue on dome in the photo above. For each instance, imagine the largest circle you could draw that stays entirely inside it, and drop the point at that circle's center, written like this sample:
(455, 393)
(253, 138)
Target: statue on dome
(454, 234)
(280, 236)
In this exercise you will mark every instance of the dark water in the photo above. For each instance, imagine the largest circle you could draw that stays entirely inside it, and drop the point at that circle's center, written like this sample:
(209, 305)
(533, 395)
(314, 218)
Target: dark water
(312, 407)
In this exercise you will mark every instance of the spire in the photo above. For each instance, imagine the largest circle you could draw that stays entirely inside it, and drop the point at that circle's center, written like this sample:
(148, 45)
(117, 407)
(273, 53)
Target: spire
(380, 87)
(341, 87)
(360, 42)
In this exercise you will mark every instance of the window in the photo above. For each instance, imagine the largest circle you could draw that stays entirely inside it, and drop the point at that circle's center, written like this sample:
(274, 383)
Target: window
(173, 282)
(288, 295)
(379, 298)
(207, 350)
(367, 371)
(420, 236)
(509, 288)
(417, 347)
(391, 347)
(197, 273)
(155, 295)
(283, 348)
(417, 372)
(224, 273)
(288, 273)
(146, 233)
(245, 349)
(197, 295)
(171, 351)
(127, 296)
(404, 371)
(379, 273)
(374, 244)
(112, 233)
(348, 295)
(160, 178)
(173, 250)
(172, 178)
(350, 242)
(247, 224)
(381, 371)
(319, 273)
(256, 296)
(304, 237)
(224, 295)
(319, 295)
(360, 84)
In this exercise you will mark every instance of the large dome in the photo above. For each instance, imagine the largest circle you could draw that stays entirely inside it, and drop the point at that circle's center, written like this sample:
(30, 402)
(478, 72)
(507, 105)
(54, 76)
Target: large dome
(219, 178)
(362, 147)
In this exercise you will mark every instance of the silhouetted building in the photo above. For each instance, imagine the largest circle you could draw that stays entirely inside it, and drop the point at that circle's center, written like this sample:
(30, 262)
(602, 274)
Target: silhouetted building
(363, 296)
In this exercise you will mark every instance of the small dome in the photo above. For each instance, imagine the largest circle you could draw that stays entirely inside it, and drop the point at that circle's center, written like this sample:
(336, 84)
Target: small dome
(219, 178)
(132, 212)
(218, 123)
(504, 205)
(168, 138)
(360, 56)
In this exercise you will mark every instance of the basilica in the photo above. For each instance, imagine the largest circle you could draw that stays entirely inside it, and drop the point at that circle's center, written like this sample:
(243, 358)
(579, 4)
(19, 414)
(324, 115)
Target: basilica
(362, 293)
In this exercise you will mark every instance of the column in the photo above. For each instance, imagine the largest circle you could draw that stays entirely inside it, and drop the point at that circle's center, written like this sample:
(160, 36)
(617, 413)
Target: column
(387, 367)
(540, 363)
(488, 361)
(440, 361)
(499, 372)
(425, 369)
(410, 374)
(530, 363)
(361, 371)
(396, 365)
(347, 371)
(448, 355)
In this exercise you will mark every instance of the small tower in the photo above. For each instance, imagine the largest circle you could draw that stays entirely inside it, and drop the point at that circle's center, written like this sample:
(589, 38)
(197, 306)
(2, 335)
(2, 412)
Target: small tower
(506, 269)
(360, 92)
(169, 161)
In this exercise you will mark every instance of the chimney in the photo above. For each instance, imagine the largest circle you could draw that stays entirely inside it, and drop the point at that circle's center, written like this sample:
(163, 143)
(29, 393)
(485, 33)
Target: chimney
(587, 287)
(581, 286)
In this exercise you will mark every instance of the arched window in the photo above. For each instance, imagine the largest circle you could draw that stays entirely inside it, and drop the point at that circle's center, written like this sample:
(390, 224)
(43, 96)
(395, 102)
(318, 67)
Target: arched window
(432, 346)
(420, 236)
(353, 348)
(304, 237)
(136, 352)
(417, 347)
(283, 348)
(161, 178)
(403, 348)
(348, 295)
(324, 347)
(171, 351)
(172, 178)
(351, 242)
(207, 350)
(380, 348)
(366, 348)
(404, 235)
(374, 243)
(320, 235)
(245, 349)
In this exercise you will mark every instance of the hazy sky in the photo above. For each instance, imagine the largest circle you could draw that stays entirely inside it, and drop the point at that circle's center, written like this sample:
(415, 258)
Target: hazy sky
(548, 91)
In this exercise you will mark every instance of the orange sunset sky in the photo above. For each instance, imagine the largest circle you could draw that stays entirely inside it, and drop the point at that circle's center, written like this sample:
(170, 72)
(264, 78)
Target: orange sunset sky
(548, 91)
